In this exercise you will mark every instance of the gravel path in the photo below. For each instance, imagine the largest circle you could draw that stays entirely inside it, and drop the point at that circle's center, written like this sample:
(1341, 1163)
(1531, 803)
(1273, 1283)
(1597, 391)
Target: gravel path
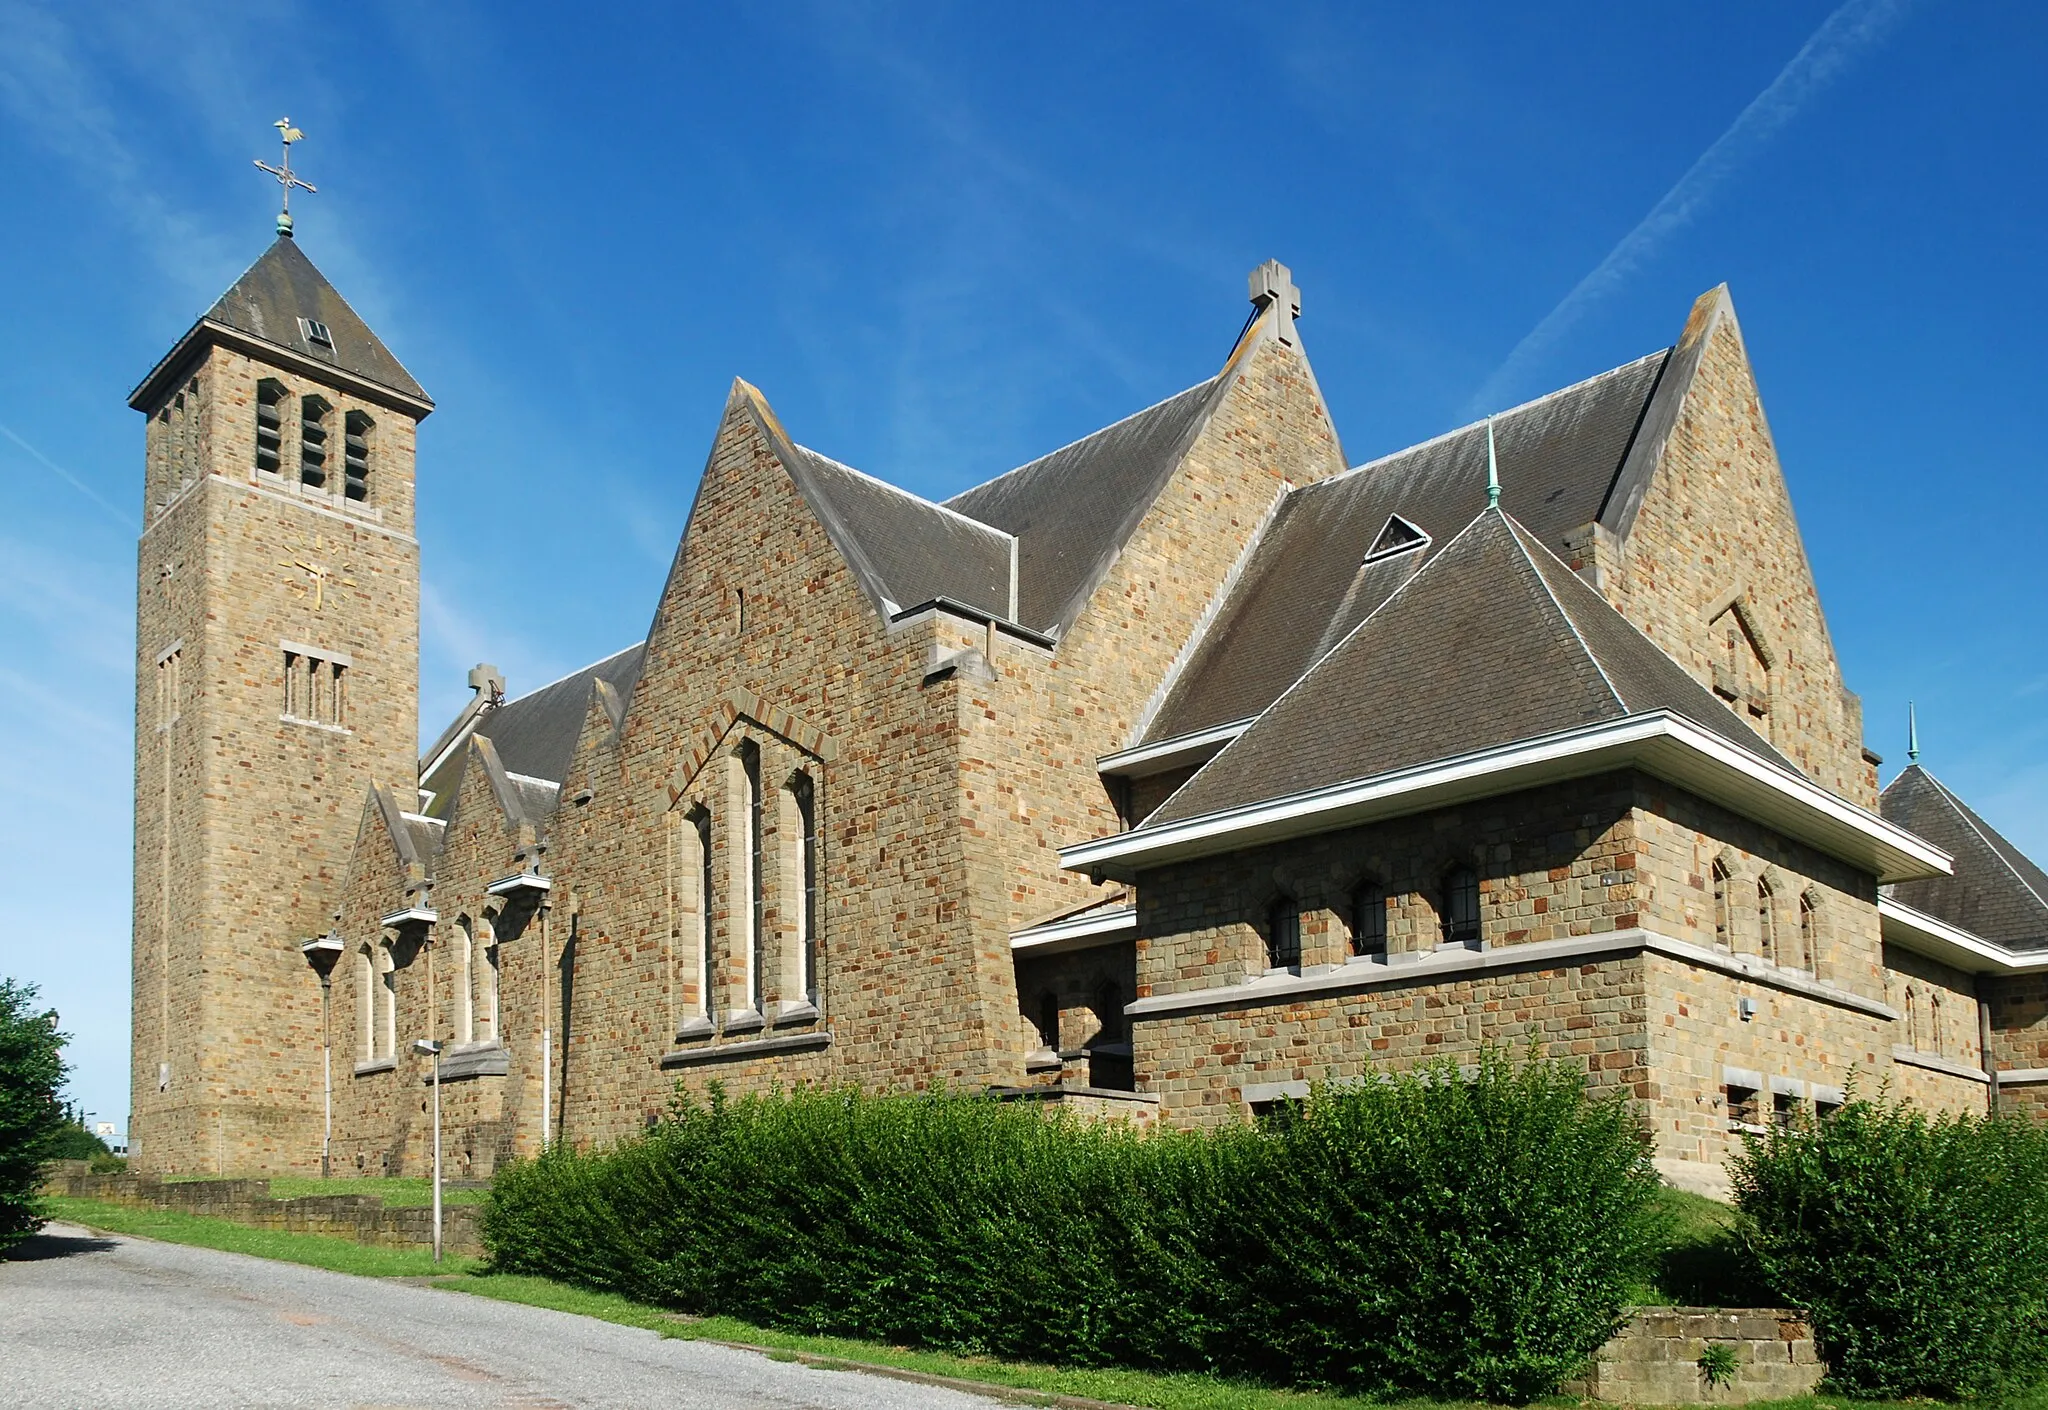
(108, 1321)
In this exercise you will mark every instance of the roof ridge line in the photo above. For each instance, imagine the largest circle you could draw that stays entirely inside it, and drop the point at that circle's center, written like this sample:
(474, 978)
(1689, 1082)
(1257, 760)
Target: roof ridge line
(569, 675)
(859, 473)
(1963, 811)
(1519, 534)
(1516, 410)
(1099, 430)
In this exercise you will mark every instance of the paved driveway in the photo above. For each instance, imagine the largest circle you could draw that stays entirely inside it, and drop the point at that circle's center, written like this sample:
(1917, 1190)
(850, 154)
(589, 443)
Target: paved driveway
(90, 1321)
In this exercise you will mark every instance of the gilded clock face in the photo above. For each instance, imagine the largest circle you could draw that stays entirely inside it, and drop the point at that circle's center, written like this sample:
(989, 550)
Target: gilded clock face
(313, 564)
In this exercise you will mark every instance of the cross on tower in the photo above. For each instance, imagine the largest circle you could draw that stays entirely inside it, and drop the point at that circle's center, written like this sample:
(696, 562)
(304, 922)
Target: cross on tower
(285, 176)
(1272, 283)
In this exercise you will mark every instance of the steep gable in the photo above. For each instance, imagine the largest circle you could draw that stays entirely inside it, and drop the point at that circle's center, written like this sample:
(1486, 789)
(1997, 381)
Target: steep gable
(1996, 891)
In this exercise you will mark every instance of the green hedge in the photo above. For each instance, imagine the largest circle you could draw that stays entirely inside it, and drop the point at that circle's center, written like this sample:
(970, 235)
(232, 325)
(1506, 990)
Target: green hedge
(1918, 1245)
(1458, 1234)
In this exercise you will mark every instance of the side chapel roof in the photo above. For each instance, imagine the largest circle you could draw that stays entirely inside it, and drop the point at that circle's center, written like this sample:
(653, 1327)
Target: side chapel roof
(1493, 641)
(1996, 890)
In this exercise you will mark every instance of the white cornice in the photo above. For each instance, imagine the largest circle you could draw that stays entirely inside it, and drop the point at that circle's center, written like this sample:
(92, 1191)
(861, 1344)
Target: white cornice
(1081, 932)
(1200, 746)
(1951, 944)
(1666, 745)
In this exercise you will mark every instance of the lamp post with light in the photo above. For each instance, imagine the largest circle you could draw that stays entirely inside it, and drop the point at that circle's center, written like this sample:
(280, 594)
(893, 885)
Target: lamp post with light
(428, 1047)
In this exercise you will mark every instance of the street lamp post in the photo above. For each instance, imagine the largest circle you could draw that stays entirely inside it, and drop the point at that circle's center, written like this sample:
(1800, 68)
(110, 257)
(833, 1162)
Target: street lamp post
(428, 1047)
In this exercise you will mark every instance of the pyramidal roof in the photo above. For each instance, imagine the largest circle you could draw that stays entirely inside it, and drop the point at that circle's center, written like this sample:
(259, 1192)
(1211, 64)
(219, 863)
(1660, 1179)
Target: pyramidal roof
(1996, 891)
(1494, 641)
(275, 300)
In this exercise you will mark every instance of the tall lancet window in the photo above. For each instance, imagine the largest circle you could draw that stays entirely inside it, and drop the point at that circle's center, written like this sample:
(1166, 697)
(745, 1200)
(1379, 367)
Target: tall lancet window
(1724, 919)
(750, 759)
(465, 981)
(706, 1006)
(805, 795)
(487, 982)
(1767, 921)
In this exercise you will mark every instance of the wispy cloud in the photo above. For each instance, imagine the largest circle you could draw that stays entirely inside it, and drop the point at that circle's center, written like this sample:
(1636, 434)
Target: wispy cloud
(72, 480)
(1851, 31)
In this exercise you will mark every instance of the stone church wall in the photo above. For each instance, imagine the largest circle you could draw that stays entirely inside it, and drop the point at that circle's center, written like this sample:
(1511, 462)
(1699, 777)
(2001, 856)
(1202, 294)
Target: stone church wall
(1716, 531)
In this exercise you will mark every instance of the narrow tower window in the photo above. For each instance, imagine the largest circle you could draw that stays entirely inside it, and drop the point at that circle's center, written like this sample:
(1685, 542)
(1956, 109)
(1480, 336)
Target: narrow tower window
(1461, 906)
(1766, 921)
(1283, 934)
(313, 441)
(1809, 934)
(1724, 936)
(356, 429)
(269, 424)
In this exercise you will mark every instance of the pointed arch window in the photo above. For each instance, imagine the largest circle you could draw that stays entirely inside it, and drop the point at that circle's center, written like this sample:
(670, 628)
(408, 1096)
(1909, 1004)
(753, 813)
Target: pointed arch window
(465, 981)
(1809, 933)
(701, 822)
(366, 1002)
(1369, 920)
(1283, 933)
(752, 941)
(1724, 912)
(804, 794)
(1461, 906)
(1767, 921)
(487, 981)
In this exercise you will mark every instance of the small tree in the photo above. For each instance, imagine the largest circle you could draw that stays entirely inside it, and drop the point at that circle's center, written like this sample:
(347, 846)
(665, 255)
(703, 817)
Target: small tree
(31, 1118)
(1917, 1244)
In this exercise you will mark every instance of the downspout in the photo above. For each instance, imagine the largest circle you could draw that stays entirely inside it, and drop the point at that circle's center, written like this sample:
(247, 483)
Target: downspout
(326, 1075)
(547, 1036)
(1984, 1055)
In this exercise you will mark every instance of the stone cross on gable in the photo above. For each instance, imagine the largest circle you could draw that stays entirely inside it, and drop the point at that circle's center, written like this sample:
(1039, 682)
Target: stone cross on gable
(1272, 286)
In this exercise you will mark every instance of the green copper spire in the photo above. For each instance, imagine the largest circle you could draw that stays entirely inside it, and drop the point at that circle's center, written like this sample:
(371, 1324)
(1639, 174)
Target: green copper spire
(1492, 470)
(1912, 734)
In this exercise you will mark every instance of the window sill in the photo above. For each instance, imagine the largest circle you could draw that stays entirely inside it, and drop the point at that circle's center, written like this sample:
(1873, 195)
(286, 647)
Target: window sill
(744, 1021)
(1043, 1060)
(694, 1029)
(803, 1011)
(369, 1069)
(320, 725)
(816, 1041)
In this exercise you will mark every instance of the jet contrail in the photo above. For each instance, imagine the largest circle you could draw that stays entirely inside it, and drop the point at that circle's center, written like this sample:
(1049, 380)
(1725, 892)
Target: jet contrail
(1843, 37)
(70, 479)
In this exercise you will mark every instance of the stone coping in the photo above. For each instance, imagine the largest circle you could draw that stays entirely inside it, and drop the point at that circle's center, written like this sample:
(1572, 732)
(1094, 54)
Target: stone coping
(1444, 964)
(1947, 1066)
(752, 1048)
(471, 1060)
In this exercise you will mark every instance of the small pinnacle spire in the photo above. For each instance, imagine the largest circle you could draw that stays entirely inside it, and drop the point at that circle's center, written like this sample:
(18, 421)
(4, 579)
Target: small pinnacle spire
(285, 177)
(1912, 734)
(1492, 470)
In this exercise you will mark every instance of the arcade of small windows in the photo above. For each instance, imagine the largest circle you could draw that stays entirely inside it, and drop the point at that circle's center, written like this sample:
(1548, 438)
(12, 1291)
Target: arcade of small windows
(315, 688)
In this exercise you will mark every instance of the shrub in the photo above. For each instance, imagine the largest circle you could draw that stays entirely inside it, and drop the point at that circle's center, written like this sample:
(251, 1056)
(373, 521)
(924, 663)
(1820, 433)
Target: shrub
(1425, 1232)
(1918, 1245)
(31, 1119)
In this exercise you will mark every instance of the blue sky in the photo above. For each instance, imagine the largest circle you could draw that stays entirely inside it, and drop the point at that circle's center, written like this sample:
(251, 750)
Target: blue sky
(946, 238)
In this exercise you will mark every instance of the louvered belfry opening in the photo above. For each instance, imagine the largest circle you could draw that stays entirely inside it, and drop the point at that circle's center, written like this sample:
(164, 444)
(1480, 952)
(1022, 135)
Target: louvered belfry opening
(269, 424)
(356, 455)
(313, 441)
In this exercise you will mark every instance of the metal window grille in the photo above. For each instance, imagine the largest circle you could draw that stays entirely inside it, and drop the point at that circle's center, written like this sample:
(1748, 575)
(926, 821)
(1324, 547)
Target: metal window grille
(1461, 906)
(1369, 919)
(1283, 935)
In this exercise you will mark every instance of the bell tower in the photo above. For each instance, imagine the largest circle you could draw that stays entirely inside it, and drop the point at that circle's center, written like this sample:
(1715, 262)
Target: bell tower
(277, 675)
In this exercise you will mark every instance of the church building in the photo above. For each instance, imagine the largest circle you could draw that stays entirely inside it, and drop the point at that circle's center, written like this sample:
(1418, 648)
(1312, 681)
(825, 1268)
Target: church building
(1160, 777)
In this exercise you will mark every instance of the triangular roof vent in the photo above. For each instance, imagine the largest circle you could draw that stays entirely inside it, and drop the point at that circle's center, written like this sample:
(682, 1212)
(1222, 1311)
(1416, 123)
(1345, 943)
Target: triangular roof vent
(1397, 537)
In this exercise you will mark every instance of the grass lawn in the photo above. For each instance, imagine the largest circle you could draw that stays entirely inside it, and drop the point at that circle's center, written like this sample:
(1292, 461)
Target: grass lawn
(316, 1250)
(396, 1193)
(1701, 1265)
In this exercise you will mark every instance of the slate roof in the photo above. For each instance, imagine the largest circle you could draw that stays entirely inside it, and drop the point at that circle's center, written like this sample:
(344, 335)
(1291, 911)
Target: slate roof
(1072, 511)
(1996, 891)
(1306, 585)
(535, 735)
(282, 287)
(1492, 642)
(907, 549)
